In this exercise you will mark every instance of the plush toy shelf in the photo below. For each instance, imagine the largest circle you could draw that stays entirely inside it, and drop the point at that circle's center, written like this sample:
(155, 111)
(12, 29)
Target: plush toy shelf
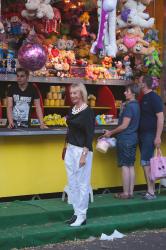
(58, 80)
(69, 107)
(66, 107)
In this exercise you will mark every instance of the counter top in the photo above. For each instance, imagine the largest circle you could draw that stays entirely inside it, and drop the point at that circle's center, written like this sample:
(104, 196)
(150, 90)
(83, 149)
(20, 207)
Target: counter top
(51, 131)
(59, 80)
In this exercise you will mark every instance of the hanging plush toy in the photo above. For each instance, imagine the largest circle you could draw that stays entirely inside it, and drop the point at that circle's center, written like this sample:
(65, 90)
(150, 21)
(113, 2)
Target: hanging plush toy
(153, 59)
(53, 25)
(38, 9)
(15, 25)
(84, 19)
(146, 2)
(2, 33)
(151, 35)
(132, 14)
(139, 48)
(106, 38)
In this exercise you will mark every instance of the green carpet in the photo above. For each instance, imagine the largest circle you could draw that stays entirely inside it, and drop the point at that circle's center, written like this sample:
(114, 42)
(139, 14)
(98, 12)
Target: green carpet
(33, 223)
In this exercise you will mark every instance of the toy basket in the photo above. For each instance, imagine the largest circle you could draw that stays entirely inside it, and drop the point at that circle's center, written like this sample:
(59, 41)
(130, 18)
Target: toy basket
(104, 144)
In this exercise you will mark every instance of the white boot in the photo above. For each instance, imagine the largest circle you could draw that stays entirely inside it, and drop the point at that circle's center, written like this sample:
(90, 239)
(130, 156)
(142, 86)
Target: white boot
(81, 220)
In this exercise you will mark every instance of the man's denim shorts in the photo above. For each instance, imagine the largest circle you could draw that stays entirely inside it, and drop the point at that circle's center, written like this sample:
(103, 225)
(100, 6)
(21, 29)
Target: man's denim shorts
(146, 144)
(126, 153)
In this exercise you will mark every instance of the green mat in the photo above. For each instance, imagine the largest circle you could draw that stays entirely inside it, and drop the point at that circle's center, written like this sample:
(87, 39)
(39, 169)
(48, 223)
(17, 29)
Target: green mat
(39, 222)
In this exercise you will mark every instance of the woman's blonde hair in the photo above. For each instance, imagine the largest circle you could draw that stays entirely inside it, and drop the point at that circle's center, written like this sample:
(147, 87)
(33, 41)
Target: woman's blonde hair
(82, 89)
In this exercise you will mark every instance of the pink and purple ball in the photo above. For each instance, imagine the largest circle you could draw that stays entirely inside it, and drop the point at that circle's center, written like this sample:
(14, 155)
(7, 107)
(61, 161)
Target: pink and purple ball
(32, 56)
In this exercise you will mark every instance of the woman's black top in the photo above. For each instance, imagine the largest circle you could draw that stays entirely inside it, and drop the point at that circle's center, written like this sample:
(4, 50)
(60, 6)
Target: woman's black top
(81, 128)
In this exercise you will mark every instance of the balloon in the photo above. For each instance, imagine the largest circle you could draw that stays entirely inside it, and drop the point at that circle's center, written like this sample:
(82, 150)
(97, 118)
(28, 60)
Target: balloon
(32, 56)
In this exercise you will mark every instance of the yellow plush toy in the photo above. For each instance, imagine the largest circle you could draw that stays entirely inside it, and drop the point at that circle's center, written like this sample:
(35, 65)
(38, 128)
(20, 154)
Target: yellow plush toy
(107, 62)
(83, 52)
(84, 18)
(92, 100)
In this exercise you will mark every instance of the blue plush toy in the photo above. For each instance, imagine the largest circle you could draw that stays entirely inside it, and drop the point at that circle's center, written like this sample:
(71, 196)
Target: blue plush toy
(98, 120)
(10, 54)
(1, 51)
(151, 35)
(15, 26)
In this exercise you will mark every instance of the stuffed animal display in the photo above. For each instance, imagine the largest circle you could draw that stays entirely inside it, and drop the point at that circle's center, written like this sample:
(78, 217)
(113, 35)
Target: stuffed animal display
(117, 41)
(131, 25)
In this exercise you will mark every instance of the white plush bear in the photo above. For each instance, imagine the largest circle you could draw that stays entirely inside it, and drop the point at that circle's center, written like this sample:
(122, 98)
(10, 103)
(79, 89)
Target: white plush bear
(146, 2)
(31, 9)
(135, 16)
(38, 9)
(45, 10)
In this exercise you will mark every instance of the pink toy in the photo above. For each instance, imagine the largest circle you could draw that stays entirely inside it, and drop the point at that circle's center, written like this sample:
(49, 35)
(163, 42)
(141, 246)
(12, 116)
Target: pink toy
(130, 38)
(157, 166)
(130, 42)
(53, 25)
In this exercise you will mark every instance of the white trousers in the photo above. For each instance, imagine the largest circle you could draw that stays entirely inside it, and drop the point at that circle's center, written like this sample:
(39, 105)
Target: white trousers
(78, 178)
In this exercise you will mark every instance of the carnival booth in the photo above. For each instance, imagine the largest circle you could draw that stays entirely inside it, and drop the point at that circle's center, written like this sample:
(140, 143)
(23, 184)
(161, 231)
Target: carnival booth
(104, 44)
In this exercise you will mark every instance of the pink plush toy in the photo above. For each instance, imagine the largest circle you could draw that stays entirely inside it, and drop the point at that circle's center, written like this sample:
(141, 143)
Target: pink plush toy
(53, 25)
(131, 37)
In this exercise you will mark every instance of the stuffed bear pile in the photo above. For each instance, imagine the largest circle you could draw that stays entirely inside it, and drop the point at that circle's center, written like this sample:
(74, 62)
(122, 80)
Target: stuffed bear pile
(132, 22)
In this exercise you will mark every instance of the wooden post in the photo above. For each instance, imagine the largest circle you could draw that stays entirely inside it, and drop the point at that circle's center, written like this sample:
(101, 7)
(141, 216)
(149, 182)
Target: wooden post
(0, 9)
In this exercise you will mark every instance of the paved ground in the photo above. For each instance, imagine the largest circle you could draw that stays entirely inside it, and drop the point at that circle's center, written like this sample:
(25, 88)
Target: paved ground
(148, 240)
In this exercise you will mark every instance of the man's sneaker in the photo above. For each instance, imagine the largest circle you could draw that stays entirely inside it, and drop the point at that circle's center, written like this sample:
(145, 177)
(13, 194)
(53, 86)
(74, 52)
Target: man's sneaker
(149, 196)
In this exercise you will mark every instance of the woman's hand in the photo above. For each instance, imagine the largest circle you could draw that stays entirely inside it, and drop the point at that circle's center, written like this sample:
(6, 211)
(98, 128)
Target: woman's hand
(107, 133)
(82, 160)
(43, 126)
(157, 142)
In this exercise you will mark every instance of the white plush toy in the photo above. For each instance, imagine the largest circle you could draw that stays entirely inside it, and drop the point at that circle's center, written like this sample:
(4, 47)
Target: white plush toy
(133, 14)
(2, 30)
(31, 9)
(45, 10)
(105, 43)
(38, 9)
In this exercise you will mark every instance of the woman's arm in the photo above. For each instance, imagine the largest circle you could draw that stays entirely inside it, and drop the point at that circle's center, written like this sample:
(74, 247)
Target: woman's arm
(120, 128)
(39, 113)
(89, 124)
(89, 127)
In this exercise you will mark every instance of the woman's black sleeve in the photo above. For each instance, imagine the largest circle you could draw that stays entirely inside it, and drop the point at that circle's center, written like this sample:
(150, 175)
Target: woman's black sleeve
(89, 128)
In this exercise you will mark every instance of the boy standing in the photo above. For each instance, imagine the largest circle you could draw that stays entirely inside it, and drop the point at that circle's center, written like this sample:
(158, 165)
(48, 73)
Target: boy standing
(20, 98)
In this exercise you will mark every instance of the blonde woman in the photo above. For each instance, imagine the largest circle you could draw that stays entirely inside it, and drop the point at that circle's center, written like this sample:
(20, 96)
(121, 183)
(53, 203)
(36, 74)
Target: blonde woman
(78, 158)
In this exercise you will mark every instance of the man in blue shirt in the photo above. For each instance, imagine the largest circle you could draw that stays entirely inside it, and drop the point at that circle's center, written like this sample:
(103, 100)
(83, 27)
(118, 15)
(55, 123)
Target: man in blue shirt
(150, 129)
